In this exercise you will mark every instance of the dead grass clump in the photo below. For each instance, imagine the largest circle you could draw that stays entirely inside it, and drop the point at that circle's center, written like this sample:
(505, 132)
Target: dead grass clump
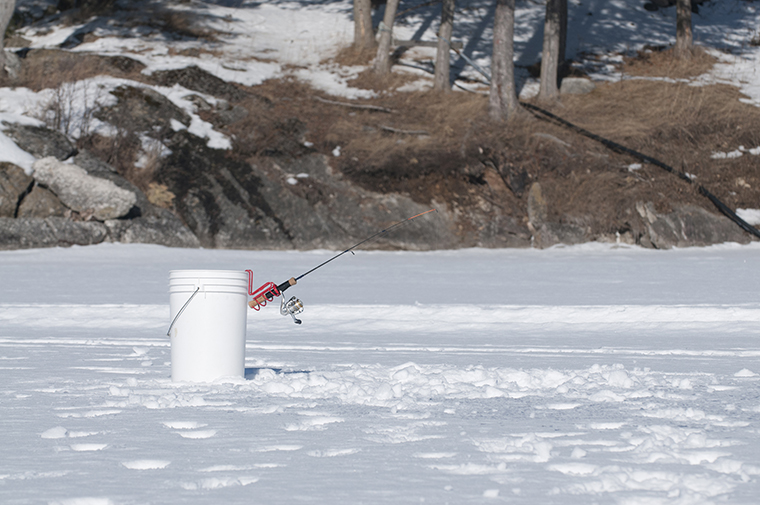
(351, 56)
(49, 68)
(383, 84)
(659, 62)
(160, 196)
(633, 111)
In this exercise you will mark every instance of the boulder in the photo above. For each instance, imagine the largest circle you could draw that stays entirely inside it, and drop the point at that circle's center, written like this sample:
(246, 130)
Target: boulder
(197, 79)
(12, 65)
(685, 226)
(82, 192)
(142, 110)
(576, 86)
(219, 198)
(100, 169)
(14, 184)
(40, 142)
(286, 203)
(538, 210)
(164, 229)
(41, 203)
(150, 224)
(32, 232)
(550, 234)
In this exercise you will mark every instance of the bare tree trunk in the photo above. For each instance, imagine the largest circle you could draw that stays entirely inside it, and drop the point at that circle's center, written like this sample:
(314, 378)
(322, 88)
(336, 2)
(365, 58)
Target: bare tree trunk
(442, 57)
(364, 36)
(6, 12)
(550, 56)
(502, 101)
(684, 38)
(382, 60)
(562, 32)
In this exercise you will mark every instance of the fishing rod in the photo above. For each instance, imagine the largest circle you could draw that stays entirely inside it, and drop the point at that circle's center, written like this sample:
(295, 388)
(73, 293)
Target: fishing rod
(269, 291)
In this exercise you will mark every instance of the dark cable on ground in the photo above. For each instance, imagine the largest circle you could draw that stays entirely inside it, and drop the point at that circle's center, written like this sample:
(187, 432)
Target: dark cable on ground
(548, 116)
(537, 111)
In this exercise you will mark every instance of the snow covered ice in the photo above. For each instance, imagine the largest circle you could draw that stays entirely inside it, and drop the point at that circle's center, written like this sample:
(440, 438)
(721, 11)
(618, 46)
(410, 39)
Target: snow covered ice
(593, 374)
(589, 374)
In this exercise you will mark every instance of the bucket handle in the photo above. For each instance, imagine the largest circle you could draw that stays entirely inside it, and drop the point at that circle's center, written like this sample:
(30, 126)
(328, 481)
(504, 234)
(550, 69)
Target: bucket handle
(168, 333)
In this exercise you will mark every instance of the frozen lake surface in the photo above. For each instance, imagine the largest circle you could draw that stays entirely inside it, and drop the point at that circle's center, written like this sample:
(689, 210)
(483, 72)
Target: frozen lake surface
(589, 374)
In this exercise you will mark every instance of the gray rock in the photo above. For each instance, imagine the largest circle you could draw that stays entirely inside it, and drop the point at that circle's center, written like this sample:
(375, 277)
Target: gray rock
(40, 142)
(12, 65)
(26, 233)
(6, 12)
(164, 230)
(197, 79)
(82, 192)
(219, 198)
(550, 234)
(41, 203)
(142, 110)
(229, 115)
(687, 225)
(576, 86)
(287, 203)
(538, 210)
(98, 168)
(93, 165)
(14, 184)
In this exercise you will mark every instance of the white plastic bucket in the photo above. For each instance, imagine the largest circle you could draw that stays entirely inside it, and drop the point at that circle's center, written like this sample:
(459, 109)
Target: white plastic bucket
(208, 337)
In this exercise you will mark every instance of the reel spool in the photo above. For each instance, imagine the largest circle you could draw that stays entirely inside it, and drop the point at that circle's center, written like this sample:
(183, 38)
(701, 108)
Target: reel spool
(291, 307)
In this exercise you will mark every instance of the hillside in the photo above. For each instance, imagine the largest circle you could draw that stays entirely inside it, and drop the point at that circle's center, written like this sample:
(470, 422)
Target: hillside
(250, 125)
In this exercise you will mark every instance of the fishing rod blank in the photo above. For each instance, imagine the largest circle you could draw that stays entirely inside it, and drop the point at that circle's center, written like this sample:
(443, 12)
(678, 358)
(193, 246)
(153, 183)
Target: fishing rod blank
(268, 291)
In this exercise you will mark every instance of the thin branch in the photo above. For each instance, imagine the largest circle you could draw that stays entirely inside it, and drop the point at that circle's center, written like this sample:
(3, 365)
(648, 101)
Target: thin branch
(356, 105)
(405, 132)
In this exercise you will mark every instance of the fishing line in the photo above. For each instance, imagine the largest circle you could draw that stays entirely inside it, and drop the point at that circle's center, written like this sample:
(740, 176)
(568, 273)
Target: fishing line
(268, 291)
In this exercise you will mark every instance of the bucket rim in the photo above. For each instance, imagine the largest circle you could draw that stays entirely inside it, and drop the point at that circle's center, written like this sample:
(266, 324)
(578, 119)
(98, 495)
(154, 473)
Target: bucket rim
(207, 273)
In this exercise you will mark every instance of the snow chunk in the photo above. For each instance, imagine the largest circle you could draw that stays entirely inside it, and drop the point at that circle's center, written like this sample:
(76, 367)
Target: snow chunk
(83, 501)
(57, 432)
(200, 434)
(722, 156)
(745, 373)
(146, 464)
(88, 447)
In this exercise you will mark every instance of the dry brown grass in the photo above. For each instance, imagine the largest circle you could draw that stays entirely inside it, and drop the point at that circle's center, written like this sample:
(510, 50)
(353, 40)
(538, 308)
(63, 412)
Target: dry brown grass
(662, 63)
(649, 113)
(49, 68)
(351, 56)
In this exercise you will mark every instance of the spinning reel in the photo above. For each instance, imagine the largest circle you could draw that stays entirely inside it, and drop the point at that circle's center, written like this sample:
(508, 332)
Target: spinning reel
(267, 292)
(293, 306)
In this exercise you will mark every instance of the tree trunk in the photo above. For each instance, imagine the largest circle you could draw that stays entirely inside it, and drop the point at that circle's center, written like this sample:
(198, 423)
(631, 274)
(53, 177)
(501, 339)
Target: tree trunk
(442, 57)
(502, 101)
(6, 12)
(382, 60)
(550, 56)
(364, 36)
(684, 37)
(562, 33)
